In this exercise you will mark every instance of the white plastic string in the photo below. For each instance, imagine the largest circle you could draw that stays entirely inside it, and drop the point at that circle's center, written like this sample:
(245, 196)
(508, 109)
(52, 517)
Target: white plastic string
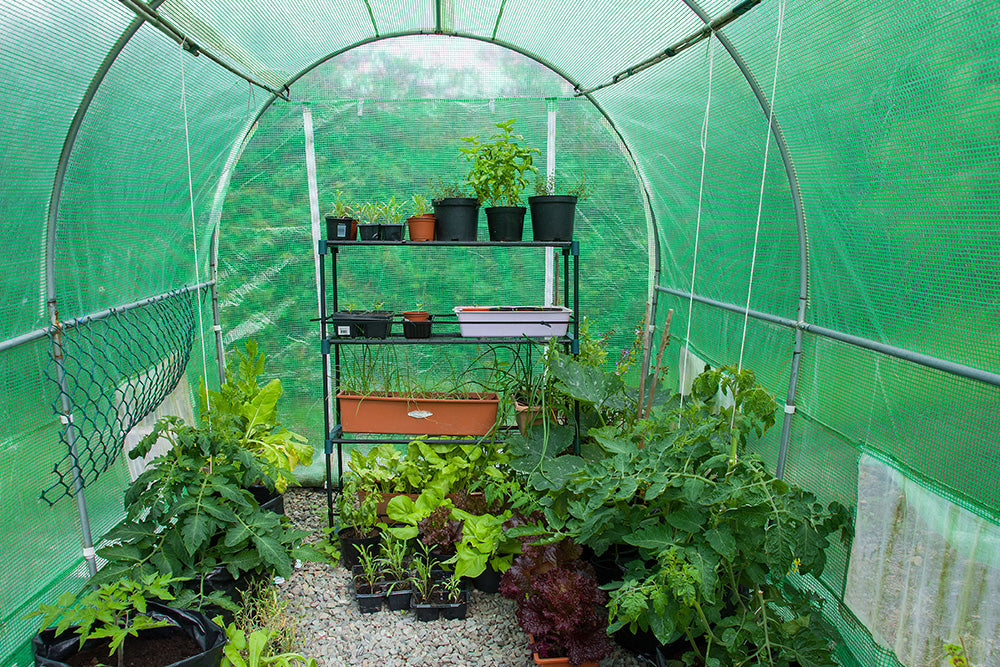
(701, 192)
(763, 179)
(194, 236)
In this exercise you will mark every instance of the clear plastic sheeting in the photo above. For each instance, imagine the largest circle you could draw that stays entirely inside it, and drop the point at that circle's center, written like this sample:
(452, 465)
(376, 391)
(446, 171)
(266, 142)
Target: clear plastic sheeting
(924, 571)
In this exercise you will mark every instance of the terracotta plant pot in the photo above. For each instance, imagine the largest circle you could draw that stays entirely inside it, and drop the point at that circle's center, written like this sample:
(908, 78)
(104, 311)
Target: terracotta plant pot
(557, 662)
(432, 414)
(527, 415)
(421, 227)
(417, 324)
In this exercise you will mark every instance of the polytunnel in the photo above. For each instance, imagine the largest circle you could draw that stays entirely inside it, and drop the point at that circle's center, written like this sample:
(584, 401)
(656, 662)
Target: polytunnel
(808, 188)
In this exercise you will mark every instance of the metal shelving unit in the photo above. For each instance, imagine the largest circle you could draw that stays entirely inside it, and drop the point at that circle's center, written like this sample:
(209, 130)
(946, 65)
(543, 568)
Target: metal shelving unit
(333, 432)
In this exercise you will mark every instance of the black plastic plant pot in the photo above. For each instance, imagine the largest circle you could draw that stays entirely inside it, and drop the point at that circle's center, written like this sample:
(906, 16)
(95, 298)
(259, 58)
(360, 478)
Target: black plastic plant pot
(552, 217)
(457, 219)
(418, 329)
(369, 603)
(390, 232)
(488, 581)
(399, 599)
(368, 232)
(349, 547)
(270, 501)
(424, 611)
(57, 651)
(341, 229)
(506, 223)
(456, 610)
(361, 323)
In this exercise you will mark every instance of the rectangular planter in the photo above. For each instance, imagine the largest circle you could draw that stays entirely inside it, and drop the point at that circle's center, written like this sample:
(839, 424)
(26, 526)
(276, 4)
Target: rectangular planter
(512, 321)
(433, 414)
(360, 324)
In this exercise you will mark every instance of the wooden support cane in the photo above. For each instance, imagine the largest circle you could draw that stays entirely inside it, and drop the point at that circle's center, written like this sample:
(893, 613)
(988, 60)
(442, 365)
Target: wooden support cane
(664, 339)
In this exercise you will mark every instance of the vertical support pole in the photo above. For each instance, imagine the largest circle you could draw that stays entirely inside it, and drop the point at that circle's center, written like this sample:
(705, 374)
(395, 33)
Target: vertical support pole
(213, 274)
(325, 357)
(86, 538)
(550, 173)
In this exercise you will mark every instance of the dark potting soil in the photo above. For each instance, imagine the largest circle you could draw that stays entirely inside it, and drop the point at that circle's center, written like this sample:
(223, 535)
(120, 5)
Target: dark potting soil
(141, 652)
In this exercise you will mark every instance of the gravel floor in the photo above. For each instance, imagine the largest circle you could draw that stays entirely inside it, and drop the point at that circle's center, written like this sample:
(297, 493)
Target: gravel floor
(333, 631)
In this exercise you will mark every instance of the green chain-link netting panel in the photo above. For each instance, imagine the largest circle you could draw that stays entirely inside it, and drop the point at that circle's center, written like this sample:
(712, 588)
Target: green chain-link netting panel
(113, 372)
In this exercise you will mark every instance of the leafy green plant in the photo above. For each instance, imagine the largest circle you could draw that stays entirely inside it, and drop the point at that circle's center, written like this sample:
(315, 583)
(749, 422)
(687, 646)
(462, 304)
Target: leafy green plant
(249, 411)
(328, 548)
(715, 532)
(358, 512)
(392, 211)
(262, 633)
(341, 209)
(453, 189)
(500, 165)
(369, 212)
(481, 543)
(190, 513)
(369, 572)
(452, 586)
(420, 205)
(113, 612)
(957, 654)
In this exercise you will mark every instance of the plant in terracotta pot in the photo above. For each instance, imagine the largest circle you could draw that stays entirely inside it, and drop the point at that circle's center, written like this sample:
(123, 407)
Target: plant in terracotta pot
(358, 523)
(417, 323)
(553, 208)
(340, 222)
(421, 223)
(498, 175)
(457, 213)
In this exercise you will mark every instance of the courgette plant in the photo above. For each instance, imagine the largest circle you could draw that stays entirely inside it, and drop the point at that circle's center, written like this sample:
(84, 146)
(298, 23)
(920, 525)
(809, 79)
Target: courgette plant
(714, 533)
(190, 512)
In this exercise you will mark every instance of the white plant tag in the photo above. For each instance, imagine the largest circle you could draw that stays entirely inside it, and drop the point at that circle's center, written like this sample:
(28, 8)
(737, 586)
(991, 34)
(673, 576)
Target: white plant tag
(420, 414)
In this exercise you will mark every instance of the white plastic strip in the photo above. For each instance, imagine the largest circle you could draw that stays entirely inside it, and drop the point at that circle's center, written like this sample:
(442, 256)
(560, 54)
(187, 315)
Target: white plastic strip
(194, 235)
(550, 174)
(701, 192)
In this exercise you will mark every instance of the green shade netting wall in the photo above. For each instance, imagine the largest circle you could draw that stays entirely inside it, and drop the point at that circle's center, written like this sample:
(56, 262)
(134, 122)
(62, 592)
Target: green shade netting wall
(889, 111)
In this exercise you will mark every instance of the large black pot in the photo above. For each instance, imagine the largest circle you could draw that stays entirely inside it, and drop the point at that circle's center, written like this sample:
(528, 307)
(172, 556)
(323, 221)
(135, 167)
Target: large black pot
(269, 500)
(506, 223)
(360, 323)
(53, 651)
(349, 547)
(457, 219)
(552, 217)
(488, 581)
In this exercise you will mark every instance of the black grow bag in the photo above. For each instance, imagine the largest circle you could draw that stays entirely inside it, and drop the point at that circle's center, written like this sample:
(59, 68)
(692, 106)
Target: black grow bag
(52, 651)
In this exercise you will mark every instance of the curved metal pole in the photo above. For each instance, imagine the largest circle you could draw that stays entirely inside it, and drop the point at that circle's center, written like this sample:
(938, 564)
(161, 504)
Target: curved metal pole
(800, 220)
(66, 417)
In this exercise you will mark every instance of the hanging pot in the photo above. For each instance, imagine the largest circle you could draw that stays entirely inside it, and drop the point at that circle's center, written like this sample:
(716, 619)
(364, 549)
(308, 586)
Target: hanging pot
(506, 223)
(421, 227)
(341, 229)
(457, 219)
(552, 217)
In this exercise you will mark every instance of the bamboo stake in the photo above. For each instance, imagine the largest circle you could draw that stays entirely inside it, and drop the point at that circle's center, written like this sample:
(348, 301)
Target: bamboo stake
(664, 339)
(645, 357)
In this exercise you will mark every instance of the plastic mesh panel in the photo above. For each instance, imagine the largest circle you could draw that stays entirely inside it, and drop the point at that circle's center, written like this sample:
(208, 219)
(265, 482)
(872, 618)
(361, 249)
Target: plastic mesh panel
(116, 370)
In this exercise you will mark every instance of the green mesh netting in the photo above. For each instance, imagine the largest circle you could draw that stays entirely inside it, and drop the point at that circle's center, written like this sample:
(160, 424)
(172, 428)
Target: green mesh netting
(112, 372)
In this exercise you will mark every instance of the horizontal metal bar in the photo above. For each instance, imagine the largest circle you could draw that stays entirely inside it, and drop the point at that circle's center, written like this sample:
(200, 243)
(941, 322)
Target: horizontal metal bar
(951, 367)
(42, 333)
(684, 44)
(167, 28)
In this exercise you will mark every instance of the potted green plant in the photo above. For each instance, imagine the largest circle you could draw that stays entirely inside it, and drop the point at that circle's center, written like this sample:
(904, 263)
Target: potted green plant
(417, 323)
(553, 208)
(369, 215)
(189, 515)
(426, 599)
(249, 412)
(356, 323)
(358, 524)
(457, 214)
(340, 222)
(391, 227)
(394, 560)
(498, 174)
(369, 585)
(122, 618)
(421, 224)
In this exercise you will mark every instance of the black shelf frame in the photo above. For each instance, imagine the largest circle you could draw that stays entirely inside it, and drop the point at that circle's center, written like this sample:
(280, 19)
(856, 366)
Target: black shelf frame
(333, 431)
